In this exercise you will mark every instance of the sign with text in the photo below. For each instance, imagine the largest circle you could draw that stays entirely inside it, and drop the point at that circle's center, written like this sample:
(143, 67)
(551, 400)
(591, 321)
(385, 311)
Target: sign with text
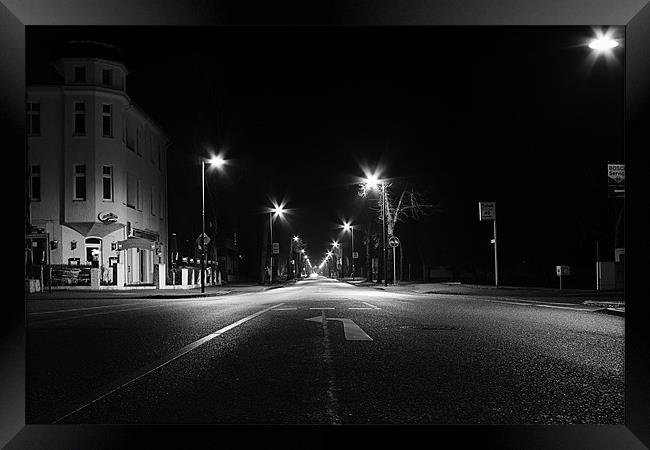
(355, 255)
(276, 248)
(562, 270)
(487, 211)
(616, 180)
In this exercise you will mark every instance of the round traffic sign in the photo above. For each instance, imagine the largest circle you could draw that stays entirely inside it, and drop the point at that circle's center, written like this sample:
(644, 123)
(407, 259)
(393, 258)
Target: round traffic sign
(393, 241)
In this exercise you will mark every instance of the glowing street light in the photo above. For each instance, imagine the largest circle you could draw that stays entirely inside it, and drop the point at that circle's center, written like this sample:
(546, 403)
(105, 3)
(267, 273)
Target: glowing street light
(218, 162)
(347, 226)
(278, 210)
(372, 181)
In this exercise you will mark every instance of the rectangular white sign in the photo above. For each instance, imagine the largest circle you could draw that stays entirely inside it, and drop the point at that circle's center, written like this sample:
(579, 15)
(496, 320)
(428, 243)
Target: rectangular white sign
(487, 211)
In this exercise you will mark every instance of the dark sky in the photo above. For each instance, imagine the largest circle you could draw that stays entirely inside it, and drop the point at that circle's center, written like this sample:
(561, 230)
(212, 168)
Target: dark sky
(517, 115)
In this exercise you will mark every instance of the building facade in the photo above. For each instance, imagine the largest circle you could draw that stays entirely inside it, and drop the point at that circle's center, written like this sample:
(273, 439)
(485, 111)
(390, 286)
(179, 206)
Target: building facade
(97, 172)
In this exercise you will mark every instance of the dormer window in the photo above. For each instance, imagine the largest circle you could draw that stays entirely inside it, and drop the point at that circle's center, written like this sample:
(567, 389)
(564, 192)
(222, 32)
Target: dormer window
(107, 77)
(80, 74)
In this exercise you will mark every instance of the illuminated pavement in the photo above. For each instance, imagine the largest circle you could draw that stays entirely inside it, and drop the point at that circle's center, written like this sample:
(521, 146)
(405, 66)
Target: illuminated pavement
(322, 351)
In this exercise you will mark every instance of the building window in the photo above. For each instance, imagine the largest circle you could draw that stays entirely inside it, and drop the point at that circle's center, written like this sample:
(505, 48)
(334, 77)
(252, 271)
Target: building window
(35, 182)
(107, 183)
(138, 195)
(33, 118)
(107, 77)
(131, 195)
(80, 74)
(79, 118)
(107, 120)
(79, 182)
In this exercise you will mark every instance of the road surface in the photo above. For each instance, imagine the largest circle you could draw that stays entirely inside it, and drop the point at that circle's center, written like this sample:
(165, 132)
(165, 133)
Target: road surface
(323, 352)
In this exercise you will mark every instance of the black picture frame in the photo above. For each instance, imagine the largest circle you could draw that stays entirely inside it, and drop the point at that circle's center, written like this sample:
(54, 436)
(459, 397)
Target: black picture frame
(634, 15)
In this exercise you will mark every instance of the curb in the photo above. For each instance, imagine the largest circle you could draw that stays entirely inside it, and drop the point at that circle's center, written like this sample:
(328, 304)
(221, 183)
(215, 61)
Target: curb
(612, 311)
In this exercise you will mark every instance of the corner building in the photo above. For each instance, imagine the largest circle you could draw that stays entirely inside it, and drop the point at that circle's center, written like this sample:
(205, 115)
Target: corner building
(97, 172)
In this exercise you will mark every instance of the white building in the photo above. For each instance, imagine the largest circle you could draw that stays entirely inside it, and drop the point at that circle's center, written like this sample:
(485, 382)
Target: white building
(97, 171)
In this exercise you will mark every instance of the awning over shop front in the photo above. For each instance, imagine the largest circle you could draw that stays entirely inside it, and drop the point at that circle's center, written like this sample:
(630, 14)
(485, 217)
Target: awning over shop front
(97, 229)
(135, 242)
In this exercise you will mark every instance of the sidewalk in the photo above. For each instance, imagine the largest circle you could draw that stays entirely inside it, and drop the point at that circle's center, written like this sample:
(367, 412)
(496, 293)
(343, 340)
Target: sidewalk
(610, 300)
(210, 291)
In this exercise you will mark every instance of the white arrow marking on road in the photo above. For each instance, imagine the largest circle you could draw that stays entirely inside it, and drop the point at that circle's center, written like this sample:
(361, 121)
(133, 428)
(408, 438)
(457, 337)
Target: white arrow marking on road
(352, 331)
(372, 306)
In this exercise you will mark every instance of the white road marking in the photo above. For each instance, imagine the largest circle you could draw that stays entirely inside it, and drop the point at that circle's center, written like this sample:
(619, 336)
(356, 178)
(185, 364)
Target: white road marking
(536, 304)
(62, 319)
(80, 309)
(130, 378)
(352, 331)
(372, 306)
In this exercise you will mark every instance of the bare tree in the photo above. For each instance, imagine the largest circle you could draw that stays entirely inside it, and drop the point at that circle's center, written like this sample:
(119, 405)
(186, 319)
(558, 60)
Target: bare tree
(409, 204)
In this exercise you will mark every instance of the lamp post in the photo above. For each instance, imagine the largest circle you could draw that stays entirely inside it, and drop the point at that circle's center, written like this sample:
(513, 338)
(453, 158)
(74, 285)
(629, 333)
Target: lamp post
(604, 44)
(277, 210)
(218, 162)
(348, 227)
(373, 182)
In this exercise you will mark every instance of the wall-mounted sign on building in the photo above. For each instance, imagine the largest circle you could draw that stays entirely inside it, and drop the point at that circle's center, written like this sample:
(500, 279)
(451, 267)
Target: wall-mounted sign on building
(107, 217)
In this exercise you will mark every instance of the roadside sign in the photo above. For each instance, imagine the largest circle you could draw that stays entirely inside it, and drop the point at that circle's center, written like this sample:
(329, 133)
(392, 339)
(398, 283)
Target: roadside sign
(616, 180)
(355, 255)
(205, 236)
(393, 241)
(562, 270)
(276, 248)
(487, 211)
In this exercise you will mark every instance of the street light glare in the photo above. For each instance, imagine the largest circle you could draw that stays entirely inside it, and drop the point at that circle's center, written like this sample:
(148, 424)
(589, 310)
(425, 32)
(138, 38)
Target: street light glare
(217, 161)
(603, 43)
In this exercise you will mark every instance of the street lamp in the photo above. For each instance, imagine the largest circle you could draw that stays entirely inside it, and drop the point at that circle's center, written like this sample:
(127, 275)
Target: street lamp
(603, 44)
(218, 162)
(278, 210)
(295, 239)
(347, 226)
(373, 182)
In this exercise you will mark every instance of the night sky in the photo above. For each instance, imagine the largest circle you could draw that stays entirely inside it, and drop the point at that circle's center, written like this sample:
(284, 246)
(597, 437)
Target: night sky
(522, 116)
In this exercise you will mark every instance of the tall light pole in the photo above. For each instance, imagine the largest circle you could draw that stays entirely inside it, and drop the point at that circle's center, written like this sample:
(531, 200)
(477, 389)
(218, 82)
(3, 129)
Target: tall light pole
(348, 227)
(218, 162)
(603, 45)
(278, 210)
(372, 182)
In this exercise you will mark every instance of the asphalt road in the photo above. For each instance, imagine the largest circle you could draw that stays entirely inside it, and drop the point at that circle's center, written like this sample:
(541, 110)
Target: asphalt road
(363, 356)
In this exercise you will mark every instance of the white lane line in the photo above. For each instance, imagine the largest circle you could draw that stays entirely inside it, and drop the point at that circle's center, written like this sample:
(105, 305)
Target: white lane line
(372, 306)
(130, 378)
(321, 308)
(564, 307)
(81, 309)
(63, 319)
(537, 304)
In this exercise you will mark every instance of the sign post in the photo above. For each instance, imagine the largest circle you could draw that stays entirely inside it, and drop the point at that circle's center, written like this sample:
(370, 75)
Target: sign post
(487, 211)
(560, 271)
(393, 241)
